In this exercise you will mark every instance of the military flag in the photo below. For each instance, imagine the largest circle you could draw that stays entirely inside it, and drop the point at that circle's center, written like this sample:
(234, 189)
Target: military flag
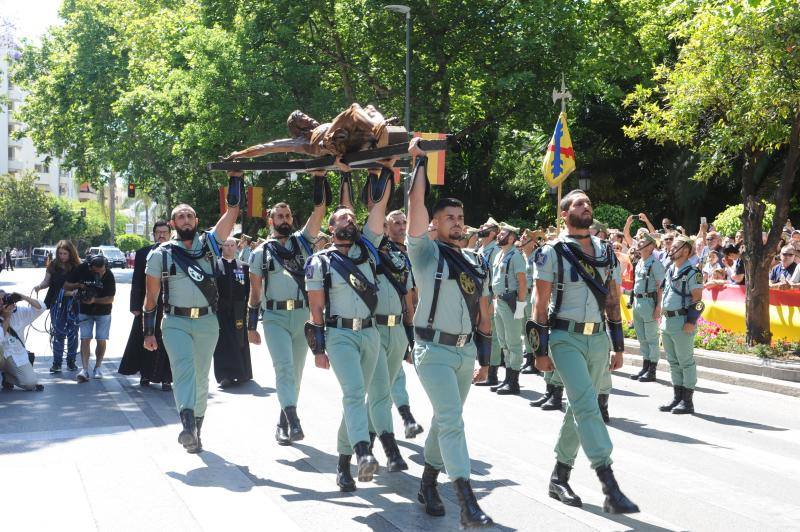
(559, 160)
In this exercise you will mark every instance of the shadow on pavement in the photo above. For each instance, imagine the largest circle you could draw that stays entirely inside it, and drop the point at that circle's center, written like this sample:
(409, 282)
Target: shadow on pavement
(624, 519)
(640, 429)
(626, 393)
(250, 387)
(737, 422)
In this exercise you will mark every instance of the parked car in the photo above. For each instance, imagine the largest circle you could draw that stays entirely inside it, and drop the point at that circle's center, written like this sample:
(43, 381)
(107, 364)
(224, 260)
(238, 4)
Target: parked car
(116, 258)
(39, 256)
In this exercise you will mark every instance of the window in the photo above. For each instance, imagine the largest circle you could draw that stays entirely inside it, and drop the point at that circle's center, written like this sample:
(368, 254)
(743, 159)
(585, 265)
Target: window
(13, 153)
(43, 168)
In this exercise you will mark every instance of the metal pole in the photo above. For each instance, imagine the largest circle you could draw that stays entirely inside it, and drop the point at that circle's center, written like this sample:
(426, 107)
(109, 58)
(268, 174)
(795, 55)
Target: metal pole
(407, 181)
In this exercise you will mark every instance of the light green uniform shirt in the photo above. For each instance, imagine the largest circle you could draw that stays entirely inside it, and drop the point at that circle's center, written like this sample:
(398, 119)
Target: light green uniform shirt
(182, 290)
(577, 303)
(643, 284)
(671, 298)
(280, 284)
(389, 302)
(489, 252)
(452, 314)
(344, 301)
(244, 254)
(504, 268)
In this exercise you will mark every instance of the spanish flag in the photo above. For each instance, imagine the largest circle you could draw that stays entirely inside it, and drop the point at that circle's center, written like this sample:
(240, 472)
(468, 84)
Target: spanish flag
(255, 200)
(559, 161)
(435, 159)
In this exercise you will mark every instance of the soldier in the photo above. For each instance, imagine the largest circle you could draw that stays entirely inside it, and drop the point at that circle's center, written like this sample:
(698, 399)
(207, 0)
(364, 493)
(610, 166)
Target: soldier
(681, 304)
(527, 245)
(488, 250)
(452, 325)
(576, 281)
(277, 272)
(646, 303)
(184, 270)
(510, 289)
(342, 289)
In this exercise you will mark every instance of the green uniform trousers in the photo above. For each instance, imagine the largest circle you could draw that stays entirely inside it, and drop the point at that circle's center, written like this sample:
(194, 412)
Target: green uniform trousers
(398, 391)
(582, 362)
(446, 375)
(680, 351)
(190, 347)
(497, 355)
(646, 327)
(393, 348)
(353, 355)
(509, 333)
(552, 377)
(287, 346)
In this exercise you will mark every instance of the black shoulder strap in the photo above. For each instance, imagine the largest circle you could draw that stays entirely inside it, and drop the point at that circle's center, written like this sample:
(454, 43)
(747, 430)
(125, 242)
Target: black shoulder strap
(264, 267)
(437, 284)
(164, 277)
(559, 286)
(506, 263)
(15, 335)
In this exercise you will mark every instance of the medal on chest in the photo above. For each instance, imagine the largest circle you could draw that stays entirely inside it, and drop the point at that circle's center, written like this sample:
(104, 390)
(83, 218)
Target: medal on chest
(466, 282)
(196, 273)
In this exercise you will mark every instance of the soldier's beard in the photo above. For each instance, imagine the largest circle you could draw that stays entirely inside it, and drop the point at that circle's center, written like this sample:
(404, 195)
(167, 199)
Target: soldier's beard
(284, 229)
(186, 234)
(349, 233)
(580, 222)
(503, 241)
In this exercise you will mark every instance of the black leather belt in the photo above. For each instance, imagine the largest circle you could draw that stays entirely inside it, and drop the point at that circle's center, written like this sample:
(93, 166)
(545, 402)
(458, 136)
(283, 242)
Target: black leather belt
(673, 313)
(390, 320)
(588, 328)
(647, 294)
(187, 312)
(355, 324)
(289, 304)
(443, 338)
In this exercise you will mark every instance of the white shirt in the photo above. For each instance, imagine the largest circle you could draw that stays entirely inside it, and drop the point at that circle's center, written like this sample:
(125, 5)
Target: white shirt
(20, 319)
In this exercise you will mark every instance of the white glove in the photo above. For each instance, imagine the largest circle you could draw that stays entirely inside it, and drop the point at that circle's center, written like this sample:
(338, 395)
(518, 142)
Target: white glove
(519, 313)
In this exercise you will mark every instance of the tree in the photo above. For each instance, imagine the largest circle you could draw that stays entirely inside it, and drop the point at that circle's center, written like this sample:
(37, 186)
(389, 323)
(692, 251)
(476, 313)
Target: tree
(733, 96)
(23, 212)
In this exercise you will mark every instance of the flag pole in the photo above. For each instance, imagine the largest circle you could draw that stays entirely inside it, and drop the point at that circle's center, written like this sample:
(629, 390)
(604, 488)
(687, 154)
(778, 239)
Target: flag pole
(558, 203)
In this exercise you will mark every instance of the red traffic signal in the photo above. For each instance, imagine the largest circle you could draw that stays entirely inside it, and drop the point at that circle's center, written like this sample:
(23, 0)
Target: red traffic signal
(131, 190)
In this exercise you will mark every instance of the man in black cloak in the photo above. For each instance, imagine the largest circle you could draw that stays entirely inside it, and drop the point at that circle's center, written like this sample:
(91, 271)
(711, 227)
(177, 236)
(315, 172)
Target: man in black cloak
(232, 356)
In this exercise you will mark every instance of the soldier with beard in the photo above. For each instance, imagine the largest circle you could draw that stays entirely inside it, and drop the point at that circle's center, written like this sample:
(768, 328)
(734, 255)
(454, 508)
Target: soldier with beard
(276, 271)
(341, 281)
(576, 283)
(183, 270)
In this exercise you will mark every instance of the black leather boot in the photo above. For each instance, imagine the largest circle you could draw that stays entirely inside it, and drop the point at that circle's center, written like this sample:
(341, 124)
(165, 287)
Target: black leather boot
(686, 406)
(188, 436)
(543, 399)
(616, 502)
(501, 384)
(645, 367)
(198, 421)
(650, 376)
(676, 398)
(372, 437)
(367, 465)
(559, 486)
(471, 514)
(428, 494)
(602, 402)
(394, 460)
(491, 378)
(529, 368)
(511, 387)
(409, 423)
(343, 477)
(555, 401)
(295, 430)
(282, 431)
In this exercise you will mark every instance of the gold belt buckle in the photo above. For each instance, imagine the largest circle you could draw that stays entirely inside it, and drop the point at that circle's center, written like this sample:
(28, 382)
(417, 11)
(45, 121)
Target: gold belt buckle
(357, 324)
(391, 320)
(588, 329)
(290, 304)
(194, 313)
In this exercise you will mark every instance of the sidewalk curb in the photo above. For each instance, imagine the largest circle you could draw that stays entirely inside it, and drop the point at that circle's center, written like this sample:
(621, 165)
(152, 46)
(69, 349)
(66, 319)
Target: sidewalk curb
(729, 368)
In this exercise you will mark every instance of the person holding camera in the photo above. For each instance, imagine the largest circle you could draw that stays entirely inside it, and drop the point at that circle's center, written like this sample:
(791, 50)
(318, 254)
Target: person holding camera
(17, 366)
(95, 288)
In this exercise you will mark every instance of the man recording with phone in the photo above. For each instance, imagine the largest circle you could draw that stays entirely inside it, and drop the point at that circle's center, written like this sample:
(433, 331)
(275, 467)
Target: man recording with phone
(16, 363)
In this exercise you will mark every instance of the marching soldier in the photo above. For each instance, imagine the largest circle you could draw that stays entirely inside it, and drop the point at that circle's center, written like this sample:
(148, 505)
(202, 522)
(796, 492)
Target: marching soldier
(576, 282)
(682, 305)
(277, 273)
(452, 325)
(527, 245)
(488, 251)
(183, 270)
(510, 289)
(646, 303)
(342, 285)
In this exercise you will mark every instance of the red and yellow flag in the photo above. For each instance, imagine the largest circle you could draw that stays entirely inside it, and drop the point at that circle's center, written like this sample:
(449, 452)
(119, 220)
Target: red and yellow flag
(435, 159)
(559, 161)
(255, 200)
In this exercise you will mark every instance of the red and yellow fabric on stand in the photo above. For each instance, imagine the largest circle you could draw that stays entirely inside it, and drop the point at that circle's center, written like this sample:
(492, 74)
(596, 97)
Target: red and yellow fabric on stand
(435, 159)
(725, 306)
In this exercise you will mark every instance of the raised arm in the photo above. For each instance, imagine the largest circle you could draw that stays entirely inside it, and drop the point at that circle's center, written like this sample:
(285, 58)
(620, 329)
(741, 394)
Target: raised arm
(377, 211)
(417, 212)
(643, 217)
(321, 201)
(626, 231)
(226, 222)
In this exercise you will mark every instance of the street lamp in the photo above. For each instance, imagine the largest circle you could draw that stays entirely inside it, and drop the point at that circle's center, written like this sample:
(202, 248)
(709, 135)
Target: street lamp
(584, 182)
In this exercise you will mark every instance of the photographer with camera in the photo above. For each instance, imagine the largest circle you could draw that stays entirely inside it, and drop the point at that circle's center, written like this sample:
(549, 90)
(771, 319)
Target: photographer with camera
(17, 364)
(95, 288)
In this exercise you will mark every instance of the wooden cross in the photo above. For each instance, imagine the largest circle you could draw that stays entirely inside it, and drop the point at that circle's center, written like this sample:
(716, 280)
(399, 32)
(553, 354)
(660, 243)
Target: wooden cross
(562, 95)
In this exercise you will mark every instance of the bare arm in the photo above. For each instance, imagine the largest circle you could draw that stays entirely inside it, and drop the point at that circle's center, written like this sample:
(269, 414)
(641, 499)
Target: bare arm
(408, 317)
(255, 290)
(226, 222)
(522, 287)
(316, 302)
(613, 311)
(152, 291)
(417, 213)
(45, 282)
(626, 231)
(314, 222)
(377, 214)
(647, 222)
(103, 300)
(543, 291)
(485, 318)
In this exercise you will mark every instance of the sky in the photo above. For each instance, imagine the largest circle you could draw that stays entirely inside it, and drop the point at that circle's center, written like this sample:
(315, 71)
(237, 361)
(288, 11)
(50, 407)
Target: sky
(31, 17)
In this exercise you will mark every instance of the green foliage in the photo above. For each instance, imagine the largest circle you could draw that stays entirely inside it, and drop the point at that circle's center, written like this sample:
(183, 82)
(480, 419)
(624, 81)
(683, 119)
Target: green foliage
(128, 242)
(729, 221)
(23, 212)
(613, 216)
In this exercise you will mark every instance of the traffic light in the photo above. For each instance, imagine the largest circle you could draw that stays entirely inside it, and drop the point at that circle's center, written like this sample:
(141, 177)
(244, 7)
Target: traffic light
(131, 189)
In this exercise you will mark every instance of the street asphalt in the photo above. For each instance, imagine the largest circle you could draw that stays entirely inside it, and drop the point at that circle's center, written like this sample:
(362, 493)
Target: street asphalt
(104, 456)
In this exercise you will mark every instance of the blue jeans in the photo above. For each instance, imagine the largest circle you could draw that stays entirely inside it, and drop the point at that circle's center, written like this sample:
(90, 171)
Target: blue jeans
(72, 347)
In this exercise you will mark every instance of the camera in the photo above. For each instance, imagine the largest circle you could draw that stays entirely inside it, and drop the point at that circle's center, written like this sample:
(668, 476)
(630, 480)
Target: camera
(10, 299)
(90, 290)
